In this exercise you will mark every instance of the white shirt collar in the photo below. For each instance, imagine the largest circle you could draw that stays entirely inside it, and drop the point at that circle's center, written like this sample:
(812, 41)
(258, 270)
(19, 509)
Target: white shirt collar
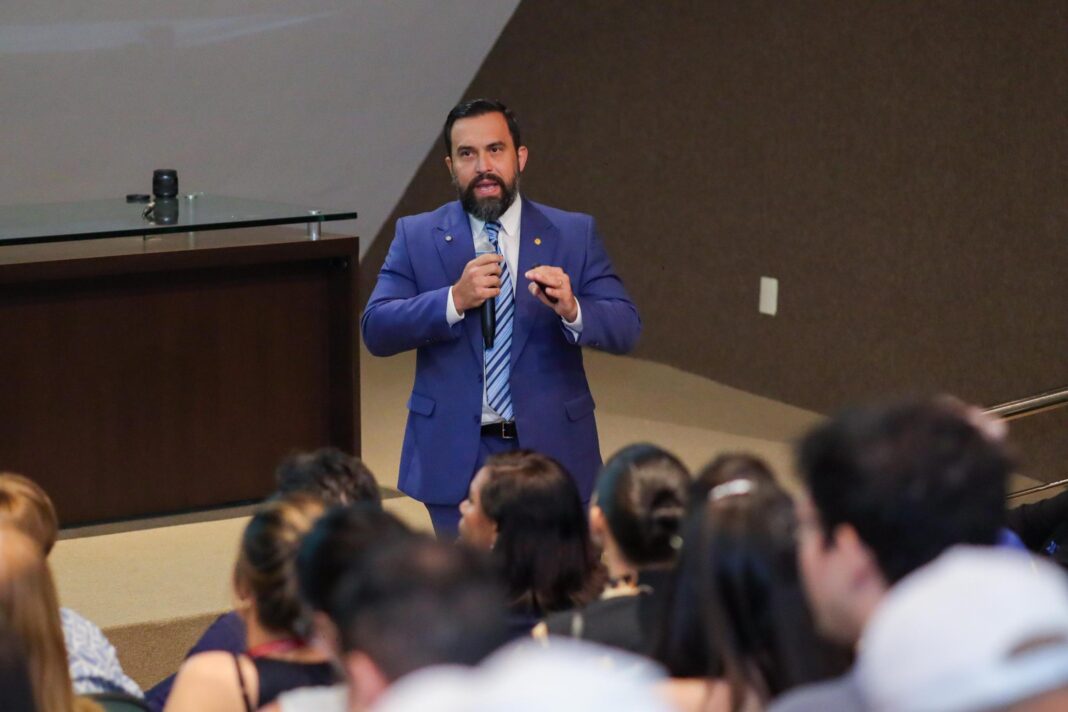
(509, 220)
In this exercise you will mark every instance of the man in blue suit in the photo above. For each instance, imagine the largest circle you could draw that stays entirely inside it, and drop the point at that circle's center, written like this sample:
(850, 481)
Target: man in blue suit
(553, 289)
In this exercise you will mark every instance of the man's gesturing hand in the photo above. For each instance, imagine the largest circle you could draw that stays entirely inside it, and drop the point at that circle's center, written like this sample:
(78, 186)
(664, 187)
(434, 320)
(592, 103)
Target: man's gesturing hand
(552, 287)
(480, 281)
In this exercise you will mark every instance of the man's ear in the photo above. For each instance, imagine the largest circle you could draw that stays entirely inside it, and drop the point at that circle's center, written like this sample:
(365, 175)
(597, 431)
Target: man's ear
(863, 567)
(326, 633)
(521, 153)
(367, 681)
(448, 164)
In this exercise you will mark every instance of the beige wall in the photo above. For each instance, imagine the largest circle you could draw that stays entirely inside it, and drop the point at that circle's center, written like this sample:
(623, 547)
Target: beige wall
(901, 168)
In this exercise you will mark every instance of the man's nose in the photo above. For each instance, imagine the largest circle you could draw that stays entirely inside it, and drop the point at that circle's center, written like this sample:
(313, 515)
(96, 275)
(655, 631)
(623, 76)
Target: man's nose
(483, 164)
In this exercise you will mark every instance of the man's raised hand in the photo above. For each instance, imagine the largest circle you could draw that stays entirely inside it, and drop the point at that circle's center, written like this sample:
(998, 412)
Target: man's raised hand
(480, 281)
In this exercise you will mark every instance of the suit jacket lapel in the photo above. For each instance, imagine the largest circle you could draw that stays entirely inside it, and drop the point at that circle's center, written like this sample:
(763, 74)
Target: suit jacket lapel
(456, 246)
(538, 240)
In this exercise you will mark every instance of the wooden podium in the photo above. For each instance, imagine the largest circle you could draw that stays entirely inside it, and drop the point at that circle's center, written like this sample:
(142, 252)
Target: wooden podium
(171, 371)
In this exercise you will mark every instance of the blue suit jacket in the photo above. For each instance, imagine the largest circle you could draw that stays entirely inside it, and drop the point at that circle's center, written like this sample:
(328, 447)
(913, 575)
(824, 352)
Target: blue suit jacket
(551, 397)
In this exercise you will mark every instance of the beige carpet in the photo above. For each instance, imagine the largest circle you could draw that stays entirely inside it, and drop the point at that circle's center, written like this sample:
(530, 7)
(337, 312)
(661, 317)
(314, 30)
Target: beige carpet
(154, 585)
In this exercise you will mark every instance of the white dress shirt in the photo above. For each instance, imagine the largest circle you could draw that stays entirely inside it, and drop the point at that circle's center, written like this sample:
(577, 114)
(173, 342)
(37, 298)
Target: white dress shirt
(508, 239)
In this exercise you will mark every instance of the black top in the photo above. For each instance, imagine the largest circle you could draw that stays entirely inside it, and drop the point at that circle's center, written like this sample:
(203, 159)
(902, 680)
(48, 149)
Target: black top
(628, 622)
(1043, 526)
(278, 676)
(609, 621)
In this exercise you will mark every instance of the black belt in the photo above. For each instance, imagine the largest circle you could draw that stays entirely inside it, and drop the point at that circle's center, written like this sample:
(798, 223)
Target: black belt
(504, 430)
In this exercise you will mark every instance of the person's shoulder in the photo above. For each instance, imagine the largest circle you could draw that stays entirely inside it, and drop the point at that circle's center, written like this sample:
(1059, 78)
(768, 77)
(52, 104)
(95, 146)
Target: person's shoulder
(839, 693)
(212, 666)
(79, 632)
(437, 216)
(207, 681)
(559, 216)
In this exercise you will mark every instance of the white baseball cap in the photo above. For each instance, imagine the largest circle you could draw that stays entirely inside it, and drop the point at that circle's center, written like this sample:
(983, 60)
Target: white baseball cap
(527, 676)
(978, 628)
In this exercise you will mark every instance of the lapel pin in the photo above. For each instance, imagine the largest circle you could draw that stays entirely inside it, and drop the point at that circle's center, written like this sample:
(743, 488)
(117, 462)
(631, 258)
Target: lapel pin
(448, 238)
(537, 240)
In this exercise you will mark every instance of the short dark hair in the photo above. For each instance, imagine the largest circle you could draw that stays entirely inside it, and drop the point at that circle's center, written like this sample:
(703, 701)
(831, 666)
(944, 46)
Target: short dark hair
(543, 537)
(333, 476)
(417, 602)
(337, 540)
(643, 492)
(478, 107)
(913, 478)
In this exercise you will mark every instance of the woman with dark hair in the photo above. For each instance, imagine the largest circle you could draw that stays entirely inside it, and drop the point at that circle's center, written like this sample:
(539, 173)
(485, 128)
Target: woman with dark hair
(740, 558)
(525, 508)
(636, 517)
(279, 657)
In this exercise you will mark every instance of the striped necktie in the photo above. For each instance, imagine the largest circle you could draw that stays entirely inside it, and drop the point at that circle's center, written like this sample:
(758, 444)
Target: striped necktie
(498, 367)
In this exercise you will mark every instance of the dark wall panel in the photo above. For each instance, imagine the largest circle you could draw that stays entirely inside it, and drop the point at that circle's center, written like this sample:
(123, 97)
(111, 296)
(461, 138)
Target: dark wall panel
(901, 168)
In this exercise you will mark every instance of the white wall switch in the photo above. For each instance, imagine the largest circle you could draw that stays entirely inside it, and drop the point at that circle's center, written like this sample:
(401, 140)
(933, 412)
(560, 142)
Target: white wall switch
(769, 296)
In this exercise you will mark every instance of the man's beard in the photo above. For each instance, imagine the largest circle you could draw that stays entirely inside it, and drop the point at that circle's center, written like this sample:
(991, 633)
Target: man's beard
(487, 209)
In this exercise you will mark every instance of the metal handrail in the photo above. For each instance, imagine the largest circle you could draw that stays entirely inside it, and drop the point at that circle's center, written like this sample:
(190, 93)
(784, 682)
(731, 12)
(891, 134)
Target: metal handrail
(1037, 488)
(1032, 405)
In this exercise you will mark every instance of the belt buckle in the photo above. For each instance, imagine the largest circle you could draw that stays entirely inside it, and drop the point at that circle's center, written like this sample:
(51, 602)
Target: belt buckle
(504, 430)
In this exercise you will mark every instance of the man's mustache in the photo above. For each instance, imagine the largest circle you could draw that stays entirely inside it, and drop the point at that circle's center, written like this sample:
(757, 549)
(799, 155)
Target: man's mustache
(487, 176)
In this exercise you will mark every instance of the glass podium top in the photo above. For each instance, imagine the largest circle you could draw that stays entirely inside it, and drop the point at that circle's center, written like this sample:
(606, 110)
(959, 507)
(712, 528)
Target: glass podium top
(54, 222)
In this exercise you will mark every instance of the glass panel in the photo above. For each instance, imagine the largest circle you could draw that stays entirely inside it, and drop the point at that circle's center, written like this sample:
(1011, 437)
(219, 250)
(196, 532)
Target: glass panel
(114, 218)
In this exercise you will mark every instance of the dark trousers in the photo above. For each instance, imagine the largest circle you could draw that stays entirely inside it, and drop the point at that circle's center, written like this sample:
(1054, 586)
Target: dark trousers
(446, 517)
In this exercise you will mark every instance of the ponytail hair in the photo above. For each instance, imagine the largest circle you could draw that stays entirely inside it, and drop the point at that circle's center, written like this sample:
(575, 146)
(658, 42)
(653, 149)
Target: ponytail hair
(643, 492)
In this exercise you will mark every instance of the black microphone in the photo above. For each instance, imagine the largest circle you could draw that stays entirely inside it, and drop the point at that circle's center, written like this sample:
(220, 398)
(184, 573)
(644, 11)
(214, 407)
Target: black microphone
(489, 321)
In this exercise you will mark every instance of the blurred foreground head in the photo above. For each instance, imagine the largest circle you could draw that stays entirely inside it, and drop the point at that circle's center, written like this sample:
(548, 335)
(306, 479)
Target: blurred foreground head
(415, 603)
(889, 487)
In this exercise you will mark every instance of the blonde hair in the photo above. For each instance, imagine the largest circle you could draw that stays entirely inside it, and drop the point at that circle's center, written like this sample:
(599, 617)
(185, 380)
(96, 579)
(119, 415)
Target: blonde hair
(266, 565)
(28, 600)
(28, 508)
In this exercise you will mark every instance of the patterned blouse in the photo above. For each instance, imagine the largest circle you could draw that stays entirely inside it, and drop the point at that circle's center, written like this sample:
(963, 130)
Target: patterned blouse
(94, 665)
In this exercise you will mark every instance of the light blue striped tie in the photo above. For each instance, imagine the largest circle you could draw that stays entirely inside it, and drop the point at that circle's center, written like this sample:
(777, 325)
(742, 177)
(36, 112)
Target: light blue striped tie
(498, 394)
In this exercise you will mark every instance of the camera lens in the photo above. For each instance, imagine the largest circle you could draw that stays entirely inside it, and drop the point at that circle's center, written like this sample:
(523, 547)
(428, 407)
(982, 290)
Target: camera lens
(165, 183)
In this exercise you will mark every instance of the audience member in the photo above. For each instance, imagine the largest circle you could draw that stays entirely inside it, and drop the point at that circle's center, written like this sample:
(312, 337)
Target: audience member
(412, 605)
(28, 602)
(978, 629)
(758, 618)
(328, 474)
(338, 541)
(525, 508)
(639, 503)
(94, 665)
(888, 488)
(279, 657)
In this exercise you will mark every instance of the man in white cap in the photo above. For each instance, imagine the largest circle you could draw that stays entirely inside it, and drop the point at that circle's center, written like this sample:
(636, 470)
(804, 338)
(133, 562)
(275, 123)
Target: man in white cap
(888, 489)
